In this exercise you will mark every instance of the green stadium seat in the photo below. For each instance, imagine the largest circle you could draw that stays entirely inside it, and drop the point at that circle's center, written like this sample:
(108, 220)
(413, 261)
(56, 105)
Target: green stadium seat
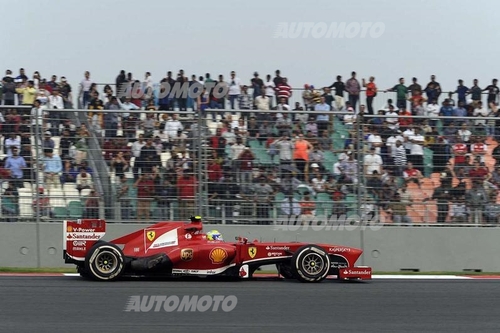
(75, 209)
(60, 212)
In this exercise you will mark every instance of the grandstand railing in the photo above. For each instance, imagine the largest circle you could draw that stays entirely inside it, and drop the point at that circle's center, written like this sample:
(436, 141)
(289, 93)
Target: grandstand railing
(65, 201)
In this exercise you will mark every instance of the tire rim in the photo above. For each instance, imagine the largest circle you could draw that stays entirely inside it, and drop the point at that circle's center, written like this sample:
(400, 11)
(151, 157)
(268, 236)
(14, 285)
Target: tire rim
(313, 263)
(106, 262)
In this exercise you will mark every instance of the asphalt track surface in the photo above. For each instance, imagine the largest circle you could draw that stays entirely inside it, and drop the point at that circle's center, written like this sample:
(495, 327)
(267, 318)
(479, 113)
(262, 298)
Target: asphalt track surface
(70, 304)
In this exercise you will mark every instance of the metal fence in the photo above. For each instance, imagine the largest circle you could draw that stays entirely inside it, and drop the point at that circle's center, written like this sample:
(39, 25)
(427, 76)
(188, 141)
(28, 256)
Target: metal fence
(247, 167)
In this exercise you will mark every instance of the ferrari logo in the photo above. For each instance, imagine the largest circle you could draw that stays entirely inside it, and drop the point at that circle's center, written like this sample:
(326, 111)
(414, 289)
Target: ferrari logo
(252, 251)
(187, 254)
(151, 235)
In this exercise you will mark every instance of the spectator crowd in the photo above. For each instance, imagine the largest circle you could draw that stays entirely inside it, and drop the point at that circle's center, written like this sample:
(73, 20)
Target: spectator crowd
(255, 151)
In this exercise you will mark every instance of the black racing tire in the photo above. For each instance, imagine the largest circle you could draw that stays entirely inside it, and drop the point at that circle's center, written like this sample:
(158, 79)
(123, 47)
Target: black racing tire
(310, 263)
(104, 262)
(285, 270)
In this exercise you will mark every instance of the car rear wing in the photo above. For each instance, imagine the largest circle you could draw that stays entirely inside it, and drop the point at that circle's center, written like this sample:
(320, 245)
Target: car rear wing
(79, 236)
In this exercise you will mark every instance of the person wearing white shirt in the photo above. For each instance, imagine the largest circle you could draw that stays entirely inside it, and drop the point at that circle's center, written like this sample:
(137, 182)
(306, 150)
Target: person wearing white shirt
(417, 150)
(136, 153)
(148, 87)
(172, 126)
(372, 162)
(392, 118)
(406, 135)
(337, 169)
(350, 118)
(391, 143)
(290, 210)
(432, 111)
(229, 136)
(55, 100)
(282, 106)
(234, 89)
(148, 80)
(464, 133)
(237, 149)
(11, 142)
(375, 141)
(127, 105)
(270, 90)
(480, 111)
(37, 118)
(85, 85)
(263, 102)
(285, 148)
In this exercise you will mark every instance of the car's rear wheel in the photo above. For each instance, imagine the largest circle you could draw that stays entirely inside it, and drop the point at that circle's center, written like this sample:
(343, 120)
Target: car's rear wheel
(104, 262)
(310, 263)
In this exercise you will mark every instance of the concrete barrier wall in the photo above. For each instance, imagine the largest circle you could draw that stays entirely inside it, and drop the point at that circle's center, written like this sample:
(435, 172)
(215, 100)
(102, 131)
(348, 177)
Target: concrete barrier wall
(387, 249)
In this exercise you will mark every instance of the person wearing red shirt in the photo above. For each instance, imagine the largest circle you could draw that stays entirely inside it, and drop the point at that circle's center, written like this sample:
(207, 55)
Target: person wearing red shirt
(307, 209)
(371, 92)
(479, 173)
(460, 149)
(283, 90)
(479, 149)
(405, 119)
(145, 194)
(410, 174)
(214, 171)
(218, 143)
(245, 169)
(187, 186)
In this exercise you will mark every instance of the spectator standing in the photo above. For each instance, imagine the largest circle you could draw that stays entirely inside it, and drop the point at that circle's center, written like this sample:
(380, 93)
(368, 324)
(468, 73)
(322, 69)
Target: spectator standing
(85, 85)
(371, 93)
(257, 85)
(269, 90)
(145, 195)
(283, 91)
(234, 90)
(401, 93)
(433, 89)
(475, 91)
(262, 196)
(353, 87)
(340, 88)
(461, 92)
(15, 164)
(52, 168)
(493, 91)
(187, 187)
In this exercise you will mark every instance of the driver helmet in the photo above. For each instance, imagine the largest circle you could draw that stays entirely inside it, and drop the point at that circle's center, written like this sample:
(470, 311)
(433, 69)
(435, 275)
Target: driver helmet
(214, 235)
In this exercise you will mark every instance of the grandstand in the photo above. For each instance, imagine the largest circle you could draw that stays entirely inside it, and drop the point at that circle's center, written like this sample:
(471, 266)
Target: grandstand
(66, 201)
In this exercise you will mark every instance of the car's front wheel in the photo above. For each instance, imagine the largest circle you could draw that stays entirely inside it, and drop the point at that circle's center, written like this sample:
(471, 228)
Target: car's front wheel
(310, 263)
(104, 262)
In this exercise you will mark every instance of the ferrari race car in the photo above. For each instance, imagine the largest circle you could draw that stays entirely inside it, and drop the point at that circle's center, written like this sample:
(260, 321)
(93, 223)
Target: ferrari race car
(170, 249)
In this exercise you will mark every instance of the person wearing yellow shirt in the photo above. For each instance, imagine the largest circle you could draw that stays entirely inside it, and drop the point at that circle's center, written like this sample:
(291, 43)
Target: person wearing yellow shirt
(29, 93)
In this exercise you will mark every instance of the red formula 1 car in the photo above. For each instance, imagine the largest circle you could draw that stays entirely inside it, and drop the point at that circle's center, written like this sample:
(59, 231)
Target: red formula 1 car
(182, 249)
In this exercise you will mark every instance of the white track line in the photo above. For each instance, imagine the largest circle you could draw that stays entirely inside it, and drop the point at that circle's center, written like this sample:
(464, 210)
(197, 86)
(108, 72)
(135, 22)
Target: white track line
(389, 277)
(421, 277)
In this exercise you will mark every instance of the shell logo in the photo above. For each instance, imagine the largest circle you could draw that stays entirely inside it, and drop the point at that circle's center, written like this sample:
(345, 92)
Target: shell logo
(218, 255)
(69, 228)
